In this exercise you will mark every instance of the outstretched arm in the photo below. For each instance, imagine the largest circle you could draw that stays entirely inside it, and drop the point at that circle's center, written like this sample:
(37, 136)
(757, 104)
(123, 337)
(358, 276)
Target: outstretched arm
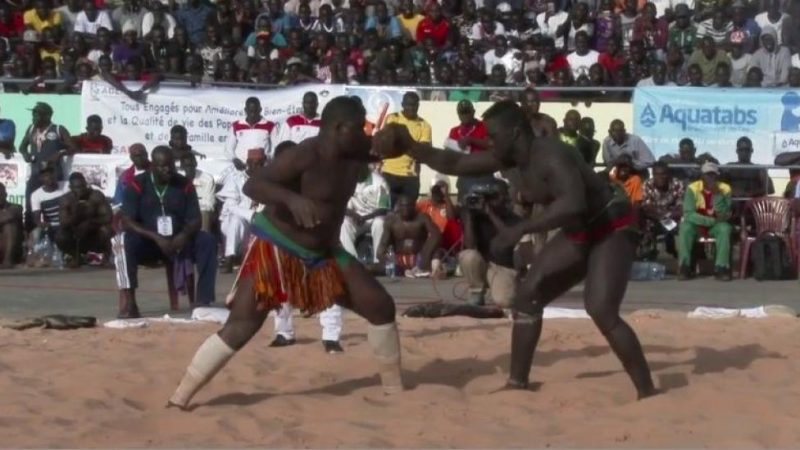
(787, 159)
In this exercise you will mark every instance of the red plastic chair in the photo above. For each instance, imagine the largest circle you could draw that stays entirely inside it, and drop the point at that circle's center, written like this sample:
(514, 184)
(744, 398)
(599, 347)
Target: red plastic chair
(771, 215)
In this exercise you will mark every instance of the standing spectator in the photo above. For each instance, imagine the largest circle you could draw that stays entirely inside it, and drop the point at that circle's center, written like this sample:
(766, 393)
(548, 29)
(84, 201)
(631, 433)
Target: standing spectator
(682, 33)
(8, 133)
(740, 60)
(706, 211)
(237, 208)
(366, 211)
(707, 58)
(161, 219)
(583, 57)
(193, 17)
(45, 203)
(254, 132)
(625, 177)
(435, 27)
(91, 19)
(772, 58)
(621, 142)
(470, 136)
(10, 230)
(409, 20)
(662, 207)
(569, 135)
(205, 187)
(772, 18)
(718, 27)
(402, 173)
(41, 16)
(84, 221)
(93, 140)
(299, 127)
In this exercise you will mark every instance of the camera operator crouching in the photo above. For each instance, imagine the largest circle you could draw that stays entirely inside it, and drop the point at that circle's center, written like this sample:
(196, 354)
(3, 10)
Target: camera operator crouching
(487, 210)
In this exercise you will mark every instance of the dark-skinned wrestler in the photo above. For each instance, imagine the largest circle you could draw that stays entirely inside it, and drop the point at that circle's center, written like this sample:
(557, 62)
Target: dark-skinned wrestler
(296, 256)
(593, 243)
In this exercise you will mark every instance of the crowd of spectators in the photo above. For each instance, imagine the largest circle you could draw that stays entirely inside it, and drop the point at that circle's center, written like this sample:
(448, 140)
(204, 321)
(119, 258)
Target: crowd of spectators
(495, 43)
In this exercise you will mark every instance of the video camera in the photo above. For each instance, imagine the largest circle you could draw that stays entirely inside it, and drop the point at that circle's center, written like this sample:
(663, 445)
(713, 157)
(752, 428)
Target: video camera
(478, 195)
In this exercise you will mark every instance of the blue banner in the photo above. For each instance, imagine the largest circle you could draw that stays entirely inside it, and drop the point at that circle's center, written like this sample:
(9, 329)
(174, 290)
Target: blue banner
(715, 118)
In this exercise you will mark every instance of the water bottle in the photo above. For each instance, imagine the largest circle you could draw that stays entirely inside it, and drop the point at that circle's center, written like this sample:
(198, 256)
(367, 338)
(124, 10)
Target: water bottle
(58, 258)
(46, 250)
(391, 270)
(656, 271)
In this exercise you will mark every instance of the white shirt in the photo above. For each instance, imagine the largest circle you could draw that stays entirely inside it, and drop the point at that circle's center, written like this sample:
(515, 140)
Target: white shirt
(550, 26)
(83, 25)
(762, 21)
(580, 64)
(297, 128)
(644, 82)
(48, 204)
(478, 33)
(245, 137)
(147, 24)
(370, 195)
(234, 202)
(204, 186)
(508, 60)
(796, 60)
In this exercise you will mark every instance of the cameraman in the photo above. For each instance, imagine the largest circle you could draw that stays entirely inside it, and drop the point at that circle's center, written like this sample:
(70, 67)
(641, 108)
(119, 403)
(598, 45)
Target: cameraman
(487, 210)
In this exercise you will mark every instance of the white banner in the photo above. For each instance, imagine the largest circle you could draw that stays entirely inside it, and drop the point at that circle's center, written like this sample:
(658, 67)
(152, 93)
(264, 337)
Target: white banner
(207, 113)
(14, 175)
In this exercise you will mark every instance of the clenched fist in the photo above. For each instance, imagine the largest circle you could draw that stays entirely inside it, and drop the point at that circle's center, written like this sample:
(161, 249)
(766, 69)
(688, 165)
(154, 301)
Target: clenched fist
(391, 141)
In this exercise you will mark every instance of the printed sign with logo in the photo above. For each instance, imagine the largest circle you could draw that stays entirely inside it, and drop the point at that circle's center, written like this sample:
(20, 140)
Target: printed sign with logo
(716, 118)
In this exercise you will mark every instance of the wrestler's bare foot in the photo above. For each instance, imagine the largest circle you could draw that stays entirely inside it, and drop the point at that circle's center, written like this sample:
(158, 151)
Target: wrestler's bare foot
(648, 393)
(170, 404)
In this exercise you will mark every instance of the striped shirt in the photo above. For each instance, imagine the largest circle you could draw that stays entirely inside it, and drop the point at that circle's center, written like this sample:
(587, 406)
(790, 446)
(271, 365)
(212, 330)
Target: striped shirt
(48, 204)
(706, 28)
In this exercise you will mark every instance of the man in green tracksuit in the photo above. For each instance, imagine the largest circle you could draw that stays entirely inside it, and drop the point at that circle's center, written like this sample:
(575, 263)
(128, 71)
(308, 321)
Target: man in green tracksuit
(706, 211)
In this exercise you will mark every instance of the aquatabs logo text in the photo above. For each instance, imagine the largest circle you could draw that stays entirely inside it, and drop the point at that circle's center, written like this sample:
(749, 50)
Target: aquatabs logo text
(696, 117)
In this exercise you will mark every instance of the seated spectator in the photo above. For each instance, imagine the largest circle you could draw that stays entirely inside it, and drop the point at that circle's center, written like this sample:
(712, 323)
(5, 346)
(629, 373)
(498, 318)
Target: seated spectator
(676, 67)
(414, 238)
(694, 75)
(387, 26)
(773, 18)
(10, 231)
(41, 16)
(204, 186)
(366, 211)
(93, 140)
(237, 208)
(706, 211)
(409, 20)
(687, 154)
(773, 59)
(140, 164)
(722, 76)
(569, 134)
(746, 183)
(613, 59)
(161, 221)
(129, 49)
(794, 77)
(435, 27)
(621, 142)
(662, 207)
(744, 27)
(583, 57)
(718, 27)
(682, 33)
(179, 143)
(11, 23)
(652, 31)
(605, 26)
(157, 18)
(707, 57)
(501, 55)
(91, 19)
(481, 267)
(587, 131)
(85, 221)
(755, 78)
(45, 204)
(444, 213)
(741, 61)
(551, 22)
(658, 76)
(623, 175)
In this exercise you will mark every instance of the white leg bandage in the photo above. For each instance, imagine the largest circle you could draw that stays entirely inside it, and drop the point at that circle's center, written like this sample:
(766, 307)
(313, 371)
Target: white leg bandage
(212, 355)
(385, 343)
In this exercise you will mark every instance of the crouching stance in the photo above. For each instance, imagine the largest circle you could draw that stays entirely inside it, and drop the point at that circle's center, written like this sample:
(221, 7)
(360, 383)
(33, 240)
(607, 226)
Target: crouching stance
(295, 257)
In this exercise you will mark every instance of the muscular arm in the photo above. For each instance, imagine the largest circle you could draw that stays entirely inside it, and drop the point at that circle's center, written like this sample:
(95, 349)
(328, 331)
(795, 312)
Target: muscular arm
(104, 214)
(268, 184)
(449, 162)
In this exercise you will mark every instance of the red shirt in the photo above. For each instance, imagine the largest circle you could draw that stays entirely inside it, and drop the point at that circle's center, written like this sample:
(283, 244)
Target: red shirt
(14, 27)
(476, 130)
(439, 32)
(611, 63)
(98, 145)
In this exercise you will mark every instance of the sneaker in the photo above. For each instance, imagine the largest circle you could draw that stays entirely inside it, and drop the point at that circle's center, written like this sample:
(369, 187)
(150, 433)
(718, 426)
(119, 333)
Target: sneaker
(722, 274)
(332, 347)
(281, 341)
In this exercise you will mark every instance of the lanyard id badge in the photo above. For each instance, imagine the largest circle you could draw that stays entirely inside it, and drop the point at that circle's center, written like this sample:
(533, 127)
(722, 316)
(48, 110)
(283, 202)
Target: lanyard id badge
(163, 222)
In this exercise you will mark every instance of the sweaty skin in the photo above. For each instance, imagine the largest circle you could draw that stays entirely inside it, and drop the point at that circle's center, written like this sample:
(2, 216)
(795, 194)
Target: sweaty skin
(549, 174)
(85, 223)
(410, 233)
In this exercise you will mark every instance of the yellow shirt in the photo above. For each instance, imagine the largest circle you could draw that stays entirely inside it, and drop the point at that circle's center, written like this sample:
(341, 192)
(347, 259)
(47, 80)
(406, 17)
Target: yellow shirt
(409, 26)
(31, 19)
(420, 130)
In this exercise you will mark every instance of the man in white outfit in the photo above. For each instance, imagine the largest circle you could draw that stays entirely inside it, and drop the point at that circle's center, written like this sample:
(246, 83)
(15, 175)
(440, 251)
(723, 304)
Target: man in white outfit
(237, 208)
(204, 186)
(294, 130)
(299, 127)
(366, 211)
(254, 132)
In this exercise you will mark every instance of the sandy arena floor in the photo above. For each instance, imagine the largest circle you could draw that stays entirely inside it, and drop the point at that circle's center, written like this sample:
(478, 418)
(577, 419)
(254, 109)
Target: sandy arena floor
(730, 383)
